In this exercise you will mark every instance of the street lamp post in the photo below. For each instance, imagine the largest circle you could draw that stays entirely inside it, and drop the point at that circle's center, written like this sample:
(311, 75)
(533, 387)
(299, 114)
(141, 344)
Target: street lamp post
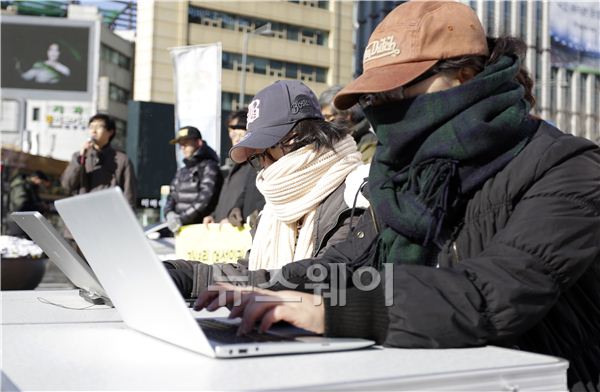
(262, 30)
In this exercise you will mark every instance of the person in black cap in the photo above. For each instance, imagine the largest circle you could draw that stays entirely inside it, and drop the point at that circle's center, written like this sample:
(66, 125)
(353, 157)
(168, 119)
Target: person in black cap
(304, 160)
(196, 186)
(304, 164)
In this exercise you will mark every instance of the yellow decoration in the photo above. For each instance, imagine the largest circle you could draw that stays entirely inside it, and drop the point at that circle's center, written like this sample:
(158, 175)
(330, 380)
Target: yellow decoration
(213, 243)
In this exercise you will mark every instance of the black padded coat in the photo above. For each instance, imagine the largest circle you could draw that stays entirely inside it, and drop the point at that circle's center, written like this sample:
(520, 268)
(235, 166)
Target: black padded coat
(195, 188)
(521, 271)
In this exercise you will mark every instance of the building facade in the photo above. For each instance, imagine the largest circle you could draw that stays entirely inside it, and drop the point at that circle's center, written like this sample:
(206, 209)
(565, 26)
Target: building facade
(309, 41)
(115, 80)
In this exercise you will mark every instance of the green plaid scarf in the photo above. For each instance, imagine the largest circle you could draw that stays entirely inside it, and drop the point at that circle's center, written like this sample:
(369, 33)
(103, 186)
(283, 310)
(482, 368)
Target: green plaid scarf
(436, 149)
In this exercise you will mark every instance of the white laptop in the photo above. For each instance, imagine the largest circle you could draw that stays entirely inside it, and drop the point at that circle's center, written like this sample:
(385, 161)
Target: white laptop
(139, 286)
(62, 254)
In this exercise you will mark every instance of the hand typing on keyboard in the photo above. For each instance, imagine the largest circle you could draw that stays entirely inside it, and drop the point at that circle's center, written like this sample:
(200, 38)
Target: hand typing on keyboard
(265, 307)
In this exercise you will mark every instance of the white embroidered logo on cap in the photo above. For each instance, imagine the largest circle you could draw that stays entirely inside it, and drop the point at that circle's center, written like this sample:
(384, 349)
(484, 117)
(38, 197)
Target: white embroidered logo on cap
(253, 112)
(385, 46)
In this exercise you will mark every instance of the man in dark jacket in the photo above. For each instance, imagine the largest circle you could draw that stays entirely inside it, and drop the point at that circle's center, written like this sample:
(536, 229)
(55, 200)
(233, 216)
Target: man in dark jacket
(239, 197)
(97, 165)
(489, 218)
(195, 188)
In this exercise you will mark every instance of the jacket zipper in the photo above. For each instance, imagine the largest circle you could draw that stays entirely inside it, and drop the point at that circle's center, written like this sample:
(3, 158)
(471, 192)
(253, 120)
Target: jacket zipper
(455, 258)
(374, 220)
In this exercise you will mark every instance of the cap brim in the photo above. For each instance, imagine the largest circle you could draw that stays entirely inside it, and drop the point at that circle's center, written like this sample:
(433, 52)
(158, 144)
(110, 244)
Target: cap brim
(179, 139)
(380, 79)
(258, 140)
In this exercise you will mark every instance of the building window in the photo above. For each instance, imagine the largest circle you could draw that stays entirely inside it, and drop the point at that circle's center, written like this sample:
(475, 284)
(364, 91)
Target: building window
(311, 3)
(121, 134)
(583, 95)
(118, 94)
(112, 56)
(539, 25)
(568, 101)
(507, 16)
(321, 75)
(229, 101)
(537, 87)
(554, 91)
(262, 66)
(291, 71)
(523, 19)
(229, 21)
(597, 111)
(490, 22)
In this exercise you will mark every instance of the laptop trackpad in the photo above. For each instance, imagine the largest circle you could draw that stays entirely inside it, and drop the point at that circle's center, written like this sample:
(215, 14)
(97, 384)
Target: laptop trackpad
(281, 328)
(288, 330)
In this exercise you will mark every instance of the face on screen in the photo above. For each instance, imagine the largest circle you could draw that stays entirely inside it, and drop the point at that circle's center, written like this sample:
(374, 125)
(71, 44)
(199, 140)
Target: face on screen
(45, 57)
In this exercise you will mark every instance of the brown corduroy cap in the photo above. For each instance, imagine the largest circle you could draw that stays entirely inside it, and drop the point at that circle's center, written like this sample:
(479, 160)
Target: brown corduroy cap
(409, 41)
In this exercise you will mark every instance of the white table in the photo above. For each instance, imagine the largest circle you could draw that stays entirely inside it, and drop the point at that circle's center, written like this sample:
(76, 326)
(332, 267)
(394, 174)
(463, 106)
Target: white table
(61, 306)
(111, 356)
(106, 355)
(50, 306)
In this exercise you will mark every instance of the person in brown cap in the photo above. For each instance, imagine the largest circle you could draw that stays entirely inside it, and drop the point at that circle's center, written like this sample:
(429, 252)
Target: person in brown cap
(488, 218)
(195, 188)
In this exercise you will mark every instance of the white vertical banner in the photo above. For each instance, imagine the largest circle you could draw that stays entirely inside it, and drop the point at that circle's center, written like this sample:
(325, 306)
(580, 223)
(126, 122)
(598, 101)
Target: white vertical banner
(197, 80)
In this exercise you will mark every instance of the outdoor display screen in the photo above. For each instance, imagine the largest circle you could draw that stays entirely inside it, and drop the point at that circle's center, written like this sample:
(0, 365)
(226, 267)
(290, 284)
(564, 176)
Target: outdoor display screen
(42, 57)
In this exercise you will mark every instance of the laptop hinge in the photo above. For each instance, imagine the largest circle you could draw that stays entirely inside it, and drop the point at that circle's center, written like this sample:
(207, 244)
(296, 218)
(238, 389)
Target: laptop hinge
(95, 298)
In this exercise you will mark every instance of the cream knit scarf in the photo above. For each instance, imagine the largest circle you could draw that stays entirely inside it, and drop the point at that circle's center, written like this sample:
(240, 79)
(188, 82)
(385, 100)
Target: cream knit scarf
(293, 188)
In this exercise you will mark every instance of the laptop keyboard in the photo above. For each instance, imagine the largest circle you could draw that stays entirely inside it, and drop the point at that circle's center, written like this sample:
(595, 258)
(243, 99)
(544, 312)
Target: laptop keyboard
(226, 333)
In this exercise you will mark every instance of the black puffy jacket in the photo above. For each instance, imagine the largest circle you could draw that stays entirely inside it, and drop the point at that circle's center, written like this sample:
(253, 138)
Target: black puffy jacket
(521, 271)
(195, 188)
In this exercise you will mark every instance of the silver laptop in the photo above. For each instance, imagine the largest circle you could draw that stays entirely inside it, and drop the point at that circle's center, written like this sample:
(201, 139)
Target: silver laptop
(62, 254)
(114, 244)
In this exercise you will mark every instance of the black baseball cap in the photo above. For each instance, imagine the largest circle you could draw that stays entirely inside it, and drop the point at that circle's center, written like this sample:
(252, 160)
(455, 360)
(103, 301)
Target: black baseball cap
(273, 113)
(186, 133)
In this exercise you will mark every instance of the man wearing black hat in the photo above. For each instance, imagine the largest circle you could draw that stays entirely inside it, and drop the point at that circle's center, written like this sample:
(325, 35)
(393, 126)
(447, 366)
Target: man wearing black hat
(195, 188)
